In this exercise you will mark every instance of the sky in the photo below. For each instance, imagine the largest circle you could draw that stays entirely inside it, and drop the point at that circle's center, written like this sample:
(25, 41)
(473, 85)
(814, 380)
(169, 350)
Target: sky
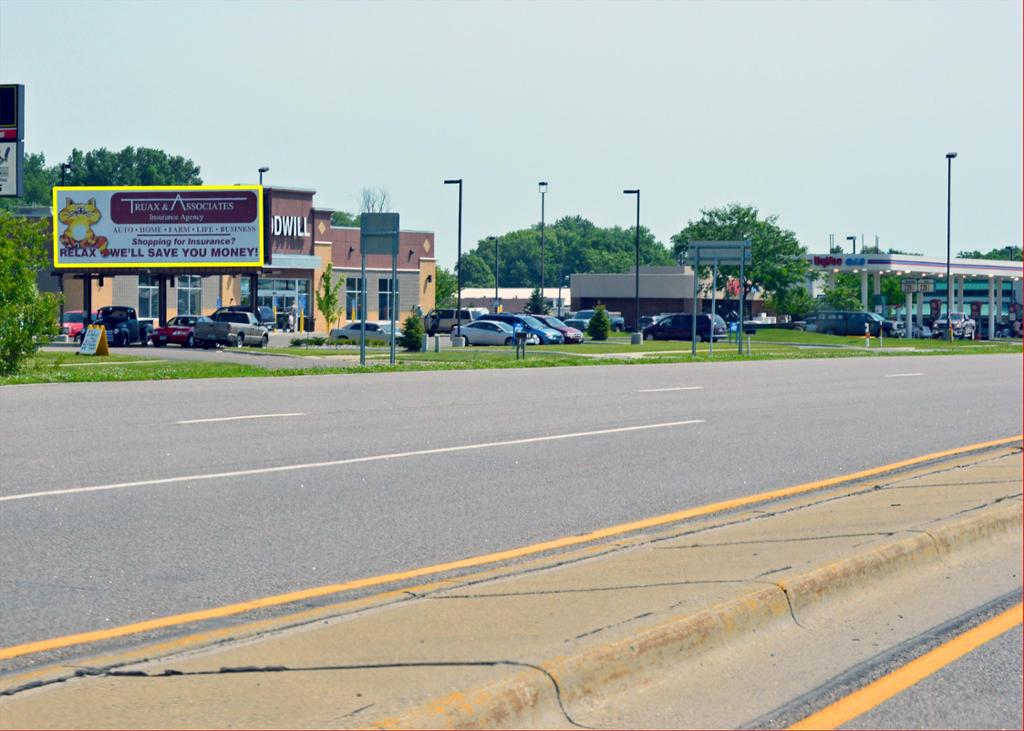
(833, 116)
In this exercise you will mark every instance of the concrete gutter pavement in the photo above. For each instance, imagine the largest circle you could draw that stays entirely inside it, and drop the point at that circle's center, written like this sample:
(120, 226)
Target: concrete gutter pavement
(528, 644)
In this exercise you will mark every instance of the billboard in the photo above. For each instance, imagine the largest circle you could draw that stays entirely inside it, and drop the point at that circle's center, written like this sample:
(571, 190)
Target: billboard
(136, 227)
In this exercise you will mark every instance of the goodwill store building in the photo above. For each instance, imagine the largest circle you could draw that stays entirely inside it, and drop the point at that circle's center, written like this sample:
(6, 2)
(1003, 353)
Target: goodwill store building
(299, 242)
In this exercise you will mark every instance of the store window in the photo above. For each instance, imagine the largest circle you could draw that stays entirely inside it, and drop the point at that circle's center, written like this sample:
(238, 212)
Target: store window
(386, 299)
(353, 292)
(189, 289)
(149, 296)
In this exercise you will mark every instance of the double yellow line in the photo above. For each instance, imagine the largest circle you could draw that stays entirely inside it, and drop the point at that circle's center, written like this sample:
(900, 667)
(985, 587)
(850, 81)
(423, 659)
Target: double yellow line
(228, 610)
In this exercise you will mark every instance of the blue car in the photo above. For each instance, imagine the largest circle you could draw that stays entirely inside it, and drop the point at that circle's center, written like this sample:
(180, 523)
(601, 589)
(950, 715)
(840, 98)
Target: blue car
(533, 326)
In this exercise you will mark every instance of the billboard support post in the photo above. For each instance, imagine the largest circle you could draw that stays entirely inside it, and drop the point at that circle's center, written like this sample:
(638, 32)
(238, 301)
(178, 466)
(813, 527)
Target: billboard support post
(378, 234)
(724, 253)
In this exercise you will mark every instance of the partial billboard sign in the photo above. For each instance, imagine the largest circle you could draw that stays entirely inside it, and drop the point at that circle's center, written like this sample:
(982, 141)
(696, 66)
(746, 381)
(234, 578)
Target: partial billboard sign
(12, 111)
(12, 162)
(155, 226)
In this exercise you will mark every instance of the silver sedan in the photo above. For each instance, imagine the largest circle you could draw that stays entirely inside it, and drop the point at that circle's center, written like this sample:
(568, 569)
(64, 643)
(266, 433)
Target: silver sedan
(487, 332)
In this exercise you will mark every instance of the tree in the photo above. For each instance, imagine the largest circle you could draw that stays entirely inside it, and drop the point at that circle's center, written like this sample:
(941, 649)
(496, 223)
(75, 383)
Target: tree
(39, 182)
(374, 200)
(445, 288)
(600, 324)
(536, 304)
(130, 166)
(841, 297)
(778, 260)
(412, 333)
(795, 302)
(1003, 252)
(341, 218)
(328, 296)
(572, 245)
(28, 317)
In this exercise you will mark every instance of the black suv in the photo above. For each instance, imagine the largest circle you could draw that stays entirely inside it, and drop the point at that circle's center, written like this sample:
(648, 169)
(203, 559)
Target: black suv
(679, 326)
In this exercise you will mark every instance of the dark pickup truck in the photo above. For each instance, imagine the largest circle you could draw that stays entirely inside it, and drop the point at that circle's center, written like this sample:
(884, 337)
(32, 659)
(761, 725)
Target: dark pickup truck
(123, 326)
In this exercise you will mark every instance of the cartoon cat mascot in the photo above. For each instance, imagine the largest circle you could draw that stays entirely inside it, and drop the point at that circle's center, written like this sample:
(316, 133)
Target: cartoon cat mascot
(79, 218)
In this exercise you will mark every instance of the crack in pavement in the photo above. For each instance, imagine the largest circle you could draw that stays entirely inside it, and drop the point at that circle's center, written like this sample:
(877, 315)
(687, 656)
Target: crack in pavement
(245, 669)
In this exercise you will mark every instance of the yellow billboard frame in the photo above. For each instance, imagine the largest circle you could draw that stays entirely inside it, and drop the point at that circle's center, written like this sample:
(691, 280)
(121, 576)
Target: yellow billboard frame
(58, 189)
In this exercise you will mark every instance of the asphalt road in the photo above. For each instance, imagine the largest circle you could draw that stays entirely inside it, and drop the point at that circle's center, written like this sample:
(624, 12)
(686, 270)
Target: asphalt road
(75, 561)
(980, 690)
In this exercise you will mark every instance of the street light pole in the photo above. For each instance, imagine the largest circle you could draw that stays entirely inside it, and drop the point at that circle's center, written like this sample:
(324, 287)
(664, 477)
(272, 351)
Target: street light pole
(64, 167)
(949, 282)
(636, 278)
(263, 169)
(542, 186)
(496, 298)
(458, 259)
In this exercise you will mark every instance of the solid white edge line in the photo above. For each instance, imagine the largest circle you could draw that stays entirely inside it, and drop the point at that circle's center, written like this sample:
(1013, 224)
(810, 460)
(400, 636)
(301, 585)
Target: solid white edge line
(902, 375)
(339, 462)
(236, 418)
(675, 388)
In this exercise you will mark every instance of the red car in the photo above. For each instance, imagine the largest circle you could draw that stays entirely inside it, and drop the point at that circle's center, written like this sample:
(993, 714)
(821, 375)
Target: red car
(73, 323)
(179, 330)
(571, 334)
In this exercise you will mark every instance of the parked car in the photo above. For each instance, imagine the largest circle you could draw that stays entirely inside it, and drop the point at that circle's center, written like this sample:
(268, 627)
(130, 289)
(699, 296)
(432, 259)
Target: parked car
(533, 326)
(264, 314)
(679, 326)
(178, 330)
(375, 331)
(490, 332)
(646, 320)
(920, 330)
(73, 323)
(123, 325)
(569, 334)
(852, 324)
(963, 326)
(443, 320)
(617, 320)
(577, 323)
(230, 327)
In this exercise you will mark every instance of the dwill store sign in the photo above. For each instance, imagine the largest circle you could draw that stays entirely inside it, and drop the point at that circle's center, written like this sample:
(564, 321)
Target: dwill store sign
(290, 226)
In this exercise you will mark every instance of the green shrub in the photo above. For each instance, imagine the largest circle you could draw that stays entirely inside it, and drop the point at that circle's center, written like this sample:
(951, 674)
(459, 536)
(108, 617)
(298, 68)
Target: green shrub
(600, 324)
(412, 333)
(302, 342)
(28, 317)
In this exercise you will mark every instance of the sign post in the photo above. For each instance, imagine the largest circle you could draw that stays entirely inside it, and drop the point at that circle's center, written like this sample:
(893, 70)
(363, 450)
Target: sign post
(378, 234)
(724, 253)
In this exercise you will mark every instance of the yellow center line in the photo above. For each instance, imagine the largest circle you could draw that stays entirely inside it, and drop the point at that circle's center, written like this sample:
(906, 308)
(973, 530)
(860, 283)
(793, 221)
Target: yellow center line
(228, 610)
(886, 687)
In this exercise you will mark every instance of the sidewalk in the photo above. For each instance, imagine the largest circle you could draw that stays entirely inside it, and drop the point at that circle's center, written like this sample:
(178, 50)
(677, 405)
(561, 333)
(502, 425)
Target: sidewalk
(522, 645)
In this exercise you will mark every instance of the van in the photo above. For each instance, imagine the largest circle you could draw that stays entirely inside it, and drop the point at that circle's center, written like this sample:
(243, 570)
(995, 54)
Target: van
(443, 320)
(852, 324)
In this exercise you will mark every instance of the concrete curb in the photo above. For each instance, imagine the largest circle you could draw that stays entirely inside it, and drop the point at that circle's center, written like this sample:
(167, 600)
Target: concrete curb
(540, 696)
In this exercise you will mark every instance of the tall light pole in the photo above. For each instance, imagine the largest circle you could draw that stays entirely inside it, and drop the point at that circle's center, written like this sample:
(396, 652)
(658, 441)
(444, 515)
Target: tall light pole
(263, 169)
(496, 298)
(64, 167)
(542, 186)
(458, 259)
(636, 323)
(949, 282)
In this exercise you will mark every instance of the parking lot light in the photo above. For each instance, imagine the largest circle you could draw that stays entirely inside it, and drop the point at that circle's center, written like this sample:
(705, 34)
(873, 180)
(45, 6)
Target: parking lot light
(458, 257)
